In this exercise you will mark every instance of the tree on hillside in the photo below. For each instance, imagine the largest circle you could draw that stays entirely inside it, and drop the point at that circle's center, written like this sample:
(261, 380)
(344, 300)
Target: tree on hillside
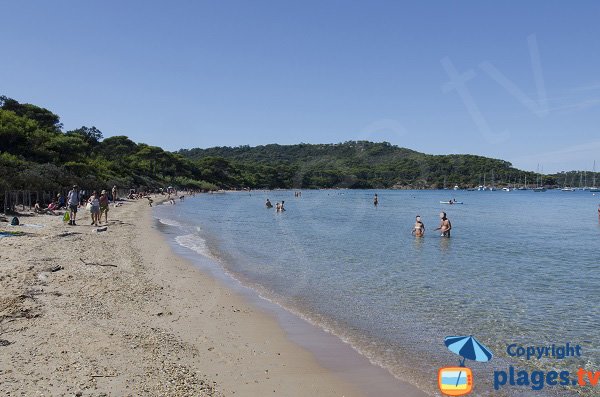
(44, 117)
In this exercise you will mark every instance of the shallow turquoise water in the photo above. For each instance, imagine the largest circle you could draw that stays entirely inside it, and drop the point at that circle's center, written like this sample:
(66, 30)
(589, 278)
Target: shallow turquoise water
(521, 267)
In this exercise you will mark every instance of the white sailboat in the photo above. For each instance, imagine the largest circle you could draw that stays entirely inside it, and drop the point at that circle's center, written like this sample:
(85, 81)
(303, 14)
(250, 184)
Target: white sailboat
(524, 187)
(492, 188)
(482, 187)
(565, 187)
(539, 188)
(594, 188)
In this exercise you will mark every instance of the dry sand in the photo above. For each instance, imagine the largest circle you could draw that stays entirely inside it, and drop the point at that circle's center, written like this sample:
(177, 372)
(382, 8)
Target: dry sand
(151, 326)
(125, 316)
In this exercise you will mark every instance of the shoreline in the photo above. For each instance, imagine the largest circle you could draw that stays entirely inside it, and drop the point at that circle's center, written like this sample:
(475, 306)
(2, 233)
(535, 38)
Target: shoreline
(124, 315)
(331, 351)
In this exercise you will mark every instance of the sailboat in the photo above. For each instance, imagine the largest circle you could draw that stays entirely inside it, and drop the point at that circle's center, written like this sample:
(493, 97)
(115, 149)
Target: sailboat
(540, 187)
(565, 187)
(482, 187)
(594, 188)
(492, 188)
(524, 187)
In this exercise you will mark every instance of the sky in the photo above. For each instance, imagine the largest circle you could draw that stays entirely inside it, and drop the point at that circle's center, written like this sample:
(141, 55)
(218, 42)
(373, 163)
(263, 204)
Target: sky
(513, 80)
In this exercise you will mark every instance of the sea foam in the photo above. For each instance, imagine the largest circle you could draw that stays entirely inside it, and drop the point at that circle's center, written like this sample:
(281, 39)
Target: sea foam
(195, 243)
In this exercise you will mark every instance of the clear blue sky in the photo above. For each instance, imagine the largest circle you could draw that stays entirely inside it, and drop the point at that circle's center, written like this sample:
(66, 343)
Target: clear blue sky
(183, 74)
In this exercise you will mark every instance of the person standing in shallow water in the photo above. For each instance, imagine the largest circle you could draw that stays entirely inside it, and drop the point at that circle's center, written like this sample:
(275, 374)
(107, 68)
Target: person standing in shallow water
(445, 225)
(268, 204)
(419, 228)
(375, 200)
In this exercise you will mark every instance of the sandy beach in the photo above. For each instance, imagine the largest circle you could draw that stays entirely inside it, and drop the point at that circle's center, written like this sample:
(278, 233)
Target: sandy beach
(124, 316)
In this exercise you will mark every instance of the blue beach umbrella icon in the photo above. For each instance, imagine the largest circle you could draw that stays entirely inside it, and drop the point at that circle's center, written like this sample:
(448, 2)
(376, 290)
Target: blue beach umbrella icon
(468, 348)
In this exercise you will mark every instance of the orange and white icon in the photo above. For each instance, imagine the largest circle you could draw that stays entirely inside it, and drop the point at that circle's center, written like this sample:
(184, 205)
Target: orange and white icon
(455, 381)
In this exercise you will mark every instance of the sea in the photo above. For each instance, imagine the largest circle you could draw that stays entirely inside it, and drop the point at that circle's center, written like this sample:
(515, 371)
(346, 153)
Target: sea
(520, 269)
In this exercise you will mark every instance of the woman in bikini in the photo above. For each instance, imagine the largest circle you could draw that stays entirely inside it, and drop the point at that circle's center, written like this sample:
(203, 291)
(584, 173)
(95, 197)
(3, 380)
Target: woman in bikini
(419, 228)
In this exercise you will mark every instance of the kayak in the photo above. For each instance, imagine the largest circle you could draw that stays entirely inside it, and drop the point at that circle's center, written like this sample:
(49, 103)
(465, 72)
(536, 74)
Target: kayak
(453, 202)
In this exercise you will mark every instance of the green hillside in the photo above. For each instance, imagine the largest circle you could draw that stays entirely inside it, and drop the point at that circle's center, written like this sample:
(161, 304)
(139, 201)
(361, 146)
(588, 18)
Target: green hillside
(36, 154)
(358, 164)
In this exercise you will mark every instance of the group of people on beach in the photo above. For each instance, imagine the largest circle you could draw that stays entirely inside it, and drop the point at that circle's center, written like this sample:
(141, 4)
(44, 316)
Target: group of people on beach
(97, 204)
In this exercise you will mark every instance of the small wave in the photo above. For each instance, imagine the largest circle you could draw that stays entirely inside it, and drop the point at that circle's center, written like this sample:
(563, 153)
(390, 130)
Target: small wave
(169, 222)
(195, 243)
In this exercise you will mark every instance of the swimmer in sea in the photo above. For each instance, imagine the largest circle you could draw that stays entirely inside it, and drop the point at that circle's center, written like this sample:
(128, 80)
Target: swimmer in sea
(445, 225)
(419, 228)
(268, 204)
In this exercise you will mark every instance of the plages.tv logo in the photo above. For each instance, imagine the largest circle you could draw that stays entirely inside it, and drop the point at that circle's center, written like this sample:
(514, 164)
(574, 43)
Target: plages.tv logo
(458, 381)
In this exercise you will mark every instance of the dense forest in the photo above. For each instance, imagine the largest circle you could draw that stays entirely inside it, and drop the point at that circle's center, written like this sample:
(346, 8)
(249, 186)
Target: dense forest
(361, 164)
(36, 153)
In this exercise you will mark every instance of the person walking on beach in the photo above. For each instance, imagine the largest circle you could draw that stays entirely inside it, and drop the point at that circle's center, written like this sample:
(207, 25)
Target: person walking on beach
(375, 200)
(114, 193)
(73, 202)
(95, 208)
(445, 225)
(268, 204)
(419, 228)
(103, 207)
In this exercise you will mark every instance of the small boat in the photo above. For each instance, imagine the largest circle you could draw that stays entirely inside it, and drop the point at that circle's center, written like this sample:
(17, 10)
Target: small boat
(567, 189)
(539, 189)
(506, 189)
(455, 187)
(451, 202)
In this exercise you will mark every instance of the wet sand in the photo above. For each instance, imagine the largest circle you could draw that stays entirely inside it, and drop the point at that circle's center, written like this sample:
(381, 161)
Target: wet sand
(125, 316)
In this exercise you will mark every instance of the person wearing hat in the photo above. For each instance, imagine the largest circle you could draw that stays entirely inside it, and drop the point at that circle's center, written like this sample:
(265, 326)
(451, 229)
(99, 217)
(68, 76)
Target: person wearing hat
(73, 202)
(103, 206)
